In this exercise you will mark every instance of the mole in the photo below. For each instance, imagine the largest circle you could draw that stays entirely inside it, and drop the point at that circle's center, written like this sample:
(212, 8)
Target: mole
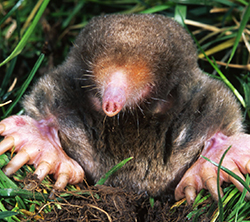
(130, 87)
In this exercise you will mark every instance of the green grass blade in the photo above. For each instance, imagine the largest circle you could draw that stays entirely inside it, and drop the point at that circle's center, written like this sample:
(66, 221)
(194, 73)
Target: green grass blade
(27, 34)
(3, 160)
(71, 15)
(225, 80)
(241, 28)
(7, 214)
(180, 13)
(6, 182)
(204, 2)
(156, 8)
(112, 171)
(225, 2)
(9, 192)
(200, 198)
(152, 201)
(243, 2)
(26, 84)
(11, 11)
(7, 76)
(241, 201)
(220, 203)
(245, 84)
(21, 204)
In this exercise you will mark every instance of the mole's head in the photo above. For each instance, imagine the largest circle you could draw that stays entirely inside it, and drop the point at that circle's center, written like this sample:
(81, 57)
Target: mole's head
(132, 58)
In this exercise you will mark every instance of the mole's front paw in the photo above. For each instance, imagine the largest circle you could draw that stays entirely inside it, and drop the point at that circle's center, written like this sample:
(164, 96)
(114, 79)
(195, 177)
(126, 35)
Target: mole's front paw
(203, 174)
(38, 143)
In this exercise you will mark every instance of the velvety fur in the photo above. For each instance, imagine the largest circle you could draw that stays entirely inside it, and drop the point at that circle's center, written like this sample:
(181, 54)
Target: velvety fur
(164, 132)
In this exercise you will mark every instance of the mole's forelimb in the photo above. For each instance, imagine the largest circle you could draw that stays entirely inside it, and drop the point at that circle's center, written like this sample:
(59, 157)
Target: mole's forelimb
(38, 144)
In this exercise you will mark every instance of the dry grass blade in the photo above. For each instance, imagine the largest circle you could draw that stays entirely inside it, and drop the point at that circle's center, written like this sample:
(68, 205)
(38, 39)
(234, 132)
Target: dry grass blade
(227, 44)
(201, 25)
(6, 103)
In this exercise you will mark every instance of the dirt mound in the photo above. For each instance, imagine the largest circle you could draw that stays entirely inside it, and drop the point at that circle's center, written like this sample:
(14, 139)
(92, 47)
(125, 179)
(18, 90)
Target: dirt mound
(102, 203)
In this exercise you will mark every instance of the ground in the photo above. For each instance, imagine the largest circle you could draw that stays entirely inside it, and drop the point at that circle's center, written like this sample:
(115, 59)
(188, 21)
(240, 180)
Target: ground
(103, 203)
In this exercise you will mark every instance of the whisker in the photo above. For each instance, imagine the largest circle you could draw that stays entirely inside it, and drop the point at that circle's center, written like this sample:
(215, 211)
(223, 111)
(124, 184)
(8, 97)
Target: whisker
(91, 89)
(123, 114)
(88, 86)
(89, 71)
(140, 108)
(81, 79)
(104, 120)
(86, 74)
(87, 61)
(130, 110)
(137, 124)
(118, 118)
(96, 94)
(157, 99)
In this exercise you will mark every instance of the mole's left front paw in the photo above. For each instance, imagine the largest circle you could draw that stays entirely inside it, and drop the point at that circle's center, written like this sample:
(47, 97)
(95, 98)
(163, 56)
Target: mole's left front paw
(203, 174)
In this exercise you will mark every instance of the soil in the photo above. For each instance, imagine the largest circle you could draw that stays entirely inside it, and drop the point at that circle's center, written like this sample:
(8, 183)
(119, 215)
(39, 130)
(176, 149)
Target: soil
(103, 203)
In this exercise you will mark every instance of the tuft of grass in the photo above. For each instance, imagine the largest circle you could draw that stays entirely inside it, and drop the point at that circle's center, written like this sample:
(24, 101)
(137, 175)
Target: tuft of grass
(235, 208)
(232, 207)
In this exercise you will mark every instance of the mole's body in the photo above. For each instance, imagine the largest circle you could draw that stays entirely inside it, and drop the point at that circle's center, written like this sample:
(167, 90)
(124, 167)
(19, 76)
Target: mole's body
(129, 87)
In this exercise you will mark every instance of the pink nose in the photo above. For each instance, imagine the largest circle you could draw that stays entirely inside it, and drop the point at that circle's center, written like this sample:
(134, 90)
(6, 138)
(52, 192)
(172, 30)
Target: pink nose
(113, 100)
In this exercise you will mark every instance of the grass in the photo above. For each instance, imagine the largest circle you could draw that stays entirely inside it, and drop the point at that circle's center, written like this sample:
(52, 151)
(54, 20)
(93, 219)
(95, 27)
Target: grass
(25, 203)
(35, 34)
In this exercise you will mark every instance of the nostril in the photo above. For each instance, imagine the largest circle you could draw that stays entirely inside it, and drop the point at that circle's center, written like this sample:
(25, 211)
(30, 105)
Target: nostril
(114, 107)
(111, 108)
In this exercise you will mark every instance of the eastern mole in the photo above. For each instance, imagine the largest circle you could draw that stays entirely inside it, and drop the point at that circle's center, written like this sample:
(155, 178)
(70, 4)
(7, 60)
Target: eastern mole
(130, 87)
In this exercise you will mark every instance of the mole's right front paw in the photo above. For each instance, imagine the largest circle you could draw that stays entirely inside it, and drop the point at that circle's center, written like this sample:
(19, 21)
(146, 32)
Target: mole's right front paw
(203, 174)
(37, 143)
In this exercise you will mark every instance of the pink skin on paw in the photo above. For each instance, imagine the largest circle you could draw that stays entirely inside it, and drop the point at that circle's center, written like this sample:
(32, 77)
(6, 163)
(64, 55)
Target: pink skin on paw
(203, 174)
(37, 143)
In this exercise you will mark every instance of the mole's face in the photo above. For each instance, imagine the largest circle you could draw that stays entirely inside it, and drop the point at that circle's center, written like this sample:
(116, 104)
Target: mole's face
(122, 71)
(132, 59)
